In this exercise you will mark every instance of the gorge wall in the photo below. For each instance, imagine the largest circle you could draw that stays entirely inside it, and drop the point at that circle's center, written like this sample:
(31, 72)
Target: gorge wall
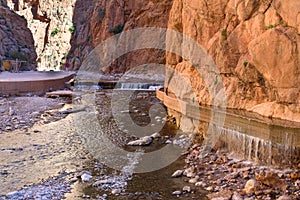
(255, 45)
(66, 31)
(16, 39)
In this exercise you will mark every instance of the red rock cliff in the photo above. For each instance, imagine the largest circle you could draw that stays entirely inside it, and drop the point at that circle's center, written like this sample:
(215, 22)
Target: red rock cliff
(255, 45)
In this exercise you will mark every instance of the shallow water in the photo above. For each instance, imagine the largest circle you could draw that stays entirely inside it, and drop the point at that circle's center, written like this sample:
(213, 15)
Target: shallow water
(60, 149)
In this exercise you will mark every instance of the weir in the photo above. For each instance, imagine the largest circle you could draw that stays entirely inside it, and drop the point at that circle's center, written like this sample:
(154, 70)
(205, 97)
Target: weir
(245, 135)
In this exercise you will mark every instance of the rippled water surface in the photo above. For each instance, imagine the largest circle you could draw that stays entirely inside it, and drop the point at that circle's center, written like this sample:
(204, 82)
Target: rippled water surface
(62, 149)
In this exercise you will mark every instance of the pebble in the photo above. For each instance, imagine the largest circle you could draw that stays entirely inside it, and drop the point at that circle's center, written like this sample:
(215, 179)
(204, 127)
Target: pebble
(210, 188)
(155, 135)
(73, 180)
(116, 191)
(178, 192)
(100, 182)
(86, 177)
(222, 195)
(236, 196)
(284, 197)
(251, 186)
(178, 173)
(168, 142)
(12, 194)
(187, 189)
(200, 184)
(194, 180)
(141, 142)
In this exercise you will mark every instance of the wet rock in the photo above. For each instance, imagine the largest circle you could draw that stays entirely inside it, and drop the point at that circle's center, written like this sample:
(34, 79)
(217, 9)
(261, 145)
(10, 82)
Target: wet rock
(186, 189)
(251, 186)
(73, 180)
(86, 177)
(155, 135)
(8, 128)
(222, 195)
(13, 194)
(177, 192)
(178, 173)
(284, 197)
(141, 142)
(168, 142)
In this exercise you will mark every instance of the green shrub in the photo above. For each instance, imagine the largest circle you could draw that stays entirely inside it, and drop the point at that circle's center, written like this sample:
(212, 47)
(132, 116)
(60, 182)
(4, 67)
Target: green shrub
(116, 29)
(72, 29)
(224, 33)
(271, 26)
(18, 55)
(54, 32)
(274, 25)
(245, 63)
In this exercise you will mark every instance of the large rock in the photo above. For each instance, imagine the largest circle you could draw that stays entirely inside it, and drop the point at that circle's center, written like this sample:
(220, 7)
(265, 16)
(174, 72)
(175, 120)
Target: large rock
(251, 186)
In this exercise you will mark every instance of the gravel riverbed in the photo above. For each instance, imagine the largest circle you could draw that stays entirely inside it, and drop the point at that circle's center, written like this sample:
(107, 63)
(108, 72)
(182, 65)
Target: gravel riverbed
(43, 157)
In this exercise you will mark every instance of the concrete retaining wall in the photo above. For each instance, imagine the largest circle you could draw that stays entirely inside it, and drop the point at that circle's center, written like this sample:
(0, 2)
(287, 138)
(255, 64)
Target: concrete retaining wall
(38, 87)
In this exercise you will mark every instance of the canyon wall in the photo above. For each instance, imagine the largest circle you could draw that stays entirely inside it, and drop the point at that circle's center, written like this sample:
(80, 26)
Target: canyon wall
(255, 46)
(108, 18)
(66, 31)
(16, 41)
(51, 25)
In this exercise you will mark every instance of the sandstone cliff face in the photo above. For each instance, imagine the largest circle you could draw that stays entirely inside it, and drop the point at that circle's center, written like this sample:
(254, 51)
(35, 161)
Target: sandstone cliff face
(51, 25)
(66, 31)
(16, 41)
(255, 45)
(111, 17)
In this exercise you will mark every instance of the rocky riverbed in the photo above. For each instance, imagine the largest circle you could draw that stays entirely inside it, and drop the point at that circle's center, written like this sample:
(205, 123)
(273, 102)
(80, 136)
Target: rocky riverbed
(227, 178)
(23, 112)
(47, 158)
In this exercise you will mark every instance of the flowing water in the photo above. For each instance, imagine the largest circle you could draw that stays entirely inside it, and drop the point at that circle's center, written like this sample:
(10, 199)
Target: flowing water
(95, 140)
(43, 164)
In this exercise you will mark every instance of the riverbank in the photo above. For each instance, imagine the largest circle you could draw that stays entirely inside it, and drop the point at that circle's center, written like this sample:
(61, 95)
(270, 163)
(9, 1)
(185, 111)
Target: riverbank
(228, 178)
(49, 159)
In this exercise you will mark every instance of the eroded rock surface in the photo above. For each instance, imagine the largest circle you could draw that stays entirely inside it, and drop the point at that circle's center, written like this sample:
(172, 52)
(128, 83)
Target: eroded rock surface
(255, 46)
(16, 39)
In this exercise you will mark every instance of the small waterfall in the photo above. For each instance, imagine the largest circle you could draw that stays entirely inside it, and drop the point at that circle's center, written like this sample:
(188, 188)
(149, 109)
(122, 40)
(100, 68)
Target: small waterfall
(263, 151)
(139, 86)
